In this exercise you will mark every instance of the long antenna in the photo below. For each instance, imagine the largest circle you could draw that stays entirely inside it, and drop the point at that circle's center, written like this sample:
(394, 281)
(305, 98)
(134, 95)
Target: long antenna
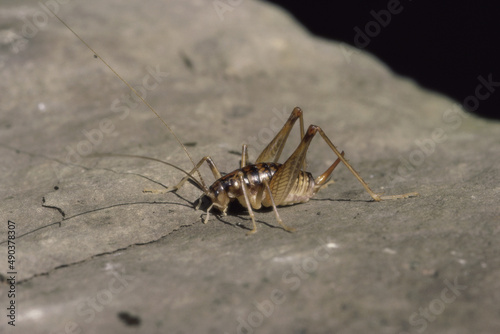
(192, 178)
(134, 91)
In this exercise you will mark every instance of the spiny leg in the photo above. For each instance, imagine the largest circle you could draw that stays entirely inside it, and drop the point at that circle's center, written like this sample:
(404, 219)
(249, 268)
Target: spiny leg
(247, 202)
(285, 177)
(374, 195)
(273, 150)
(278, 218)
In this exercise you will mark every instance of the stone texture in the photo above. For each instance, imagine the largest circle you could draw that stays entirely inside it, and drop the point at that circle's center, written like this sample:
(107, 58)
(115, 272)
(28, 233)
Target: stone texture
(95, 253)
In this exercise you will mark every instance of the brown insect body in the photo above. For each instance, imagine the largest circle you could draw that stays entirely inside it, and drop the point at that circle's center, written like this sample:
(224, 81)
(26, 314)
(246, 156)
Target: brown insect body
(268, 183)
(229, 186)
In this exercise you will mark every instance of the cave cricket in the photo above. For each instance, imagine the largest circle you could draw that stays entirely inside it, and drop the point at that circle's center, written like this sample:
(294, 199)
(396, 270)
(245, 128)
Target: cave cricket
(266, 182)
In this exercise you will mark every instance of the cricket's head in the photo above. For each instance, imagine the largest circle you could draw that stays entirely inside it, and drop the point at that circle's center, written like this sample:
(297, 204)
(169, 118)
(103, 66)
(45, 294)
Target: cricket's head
(212, 199)
(218, 196)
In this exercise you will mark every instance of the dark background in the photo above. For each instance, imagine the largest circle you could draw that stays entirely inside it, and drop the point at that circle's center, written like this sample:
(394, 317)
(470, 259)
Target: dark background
(444, 45)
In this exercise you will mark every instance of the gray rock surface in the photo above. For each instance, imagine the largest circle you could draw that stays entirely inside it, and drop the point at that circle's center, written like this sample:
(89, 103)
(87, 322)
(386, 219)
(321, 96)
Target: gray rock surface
(94, 254)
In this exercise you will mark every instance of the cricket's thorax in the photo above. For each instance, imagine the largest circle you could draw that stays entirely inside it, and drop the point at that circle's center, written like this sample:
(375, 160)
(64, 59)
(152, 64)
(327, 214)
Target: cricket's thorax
(254, 177)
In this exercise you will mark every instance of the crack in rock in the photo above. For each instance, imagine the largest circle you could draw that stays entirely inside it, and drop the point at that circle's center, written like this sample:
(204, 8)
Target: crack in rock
(53, 207)
(46, 273)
